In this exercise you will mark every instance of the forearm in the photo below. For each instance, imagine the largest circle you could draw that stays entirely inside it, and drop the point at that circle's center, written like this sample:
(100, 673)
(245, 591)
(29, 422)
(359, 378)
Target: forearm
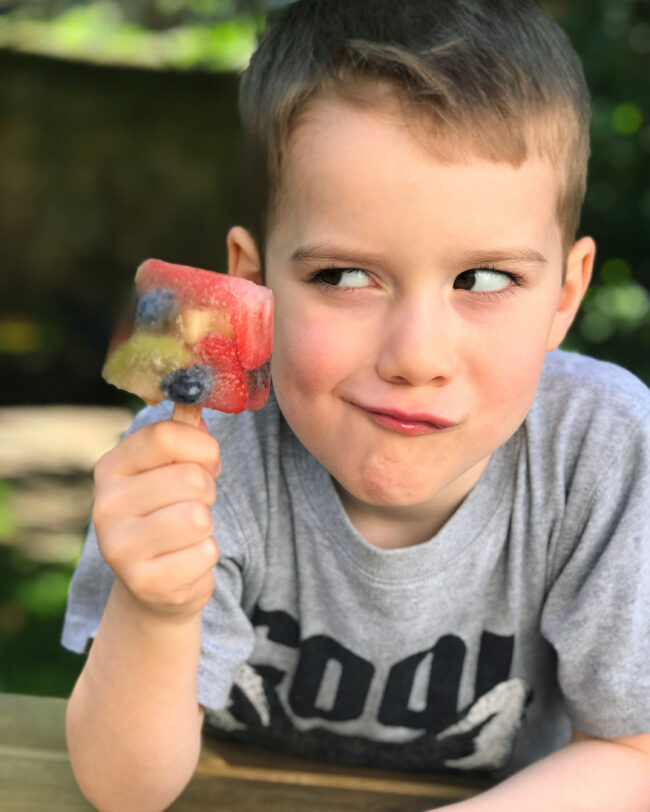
(133, 721)
(586, 776)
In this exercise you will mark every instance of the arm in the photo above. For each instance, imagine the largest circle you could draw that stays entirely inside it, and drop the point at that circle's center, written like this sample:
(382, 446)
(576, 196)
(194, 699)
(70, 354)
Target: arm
(133, 721)
(588, 775)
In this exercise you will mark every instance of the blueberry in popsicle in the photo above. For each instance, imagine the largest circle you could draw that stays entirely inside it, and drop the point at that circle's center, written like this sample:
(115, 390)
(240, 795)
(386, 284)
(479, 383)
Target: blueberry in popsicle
(200, 338)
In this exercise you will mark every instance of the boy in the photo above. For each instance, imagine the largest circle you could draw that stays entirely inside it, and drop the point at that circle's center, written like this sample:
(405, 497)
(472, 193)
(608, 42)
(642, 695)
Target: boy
(430, 541)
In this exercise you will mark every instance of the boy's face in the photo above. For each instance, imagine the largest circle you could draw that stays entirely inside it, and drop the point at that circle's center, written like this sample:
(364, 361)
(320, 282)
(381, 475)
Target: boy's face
(407, 363)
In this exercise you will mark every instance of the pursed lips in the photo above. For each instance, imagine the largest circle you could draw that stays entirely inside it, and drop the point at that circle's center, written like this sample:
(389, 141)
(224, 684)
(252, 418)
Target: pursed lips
(409, 422)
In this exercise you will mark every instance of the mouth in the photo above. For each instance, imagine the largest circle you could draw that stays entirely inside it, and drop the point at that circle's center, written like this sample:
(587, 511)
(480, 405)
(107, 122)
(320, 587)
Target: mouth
(406, 422)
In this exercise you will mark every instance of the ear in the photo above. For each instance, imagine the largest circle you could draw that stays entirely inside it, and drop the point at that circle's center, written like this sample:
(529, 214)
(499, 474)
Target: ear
(579, 267)
(243, 256)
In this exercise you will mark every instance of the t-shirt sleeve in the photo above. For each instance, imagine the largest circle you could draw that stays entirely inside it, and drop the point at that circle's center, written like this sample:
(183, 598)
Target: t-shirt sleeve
(89, 589)
(597, 611)
(227, 634)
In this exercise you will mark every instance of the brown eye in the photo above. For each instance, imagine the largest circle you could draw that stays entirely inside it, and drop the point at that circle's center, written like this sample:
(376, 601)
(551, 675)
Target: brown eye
(331, 276)
(483, 280)
(465, 281)
(343, 277)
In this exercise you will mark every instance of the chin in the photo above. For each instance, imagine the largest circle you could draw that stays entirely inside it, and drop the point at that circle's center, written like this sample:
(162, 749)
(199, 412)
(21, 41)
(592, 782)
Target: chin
(387, 488)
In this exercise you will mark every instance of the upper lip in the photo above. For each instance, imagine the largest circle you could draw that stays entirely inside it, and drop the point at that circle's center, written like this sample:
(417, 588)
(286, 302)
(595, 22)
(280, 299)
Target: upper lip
(407, 417)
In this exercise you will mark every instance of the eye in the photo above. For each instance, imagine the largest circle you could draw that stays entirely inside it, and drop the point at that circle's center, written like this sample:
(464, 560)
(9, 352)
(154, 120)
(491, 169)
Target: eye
(342, 277)
(484, 280)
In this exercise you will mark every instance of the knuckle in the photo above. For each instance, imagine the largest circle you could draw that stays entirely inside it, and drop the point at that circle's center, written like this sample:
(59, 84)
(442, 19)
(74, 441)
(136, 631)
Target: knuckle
(114, 550)
(102, 509)
(199, 517)
(98, 513)
(193, 478)
(162, 434)
(209, 552)
(204, 587)
(139, 585)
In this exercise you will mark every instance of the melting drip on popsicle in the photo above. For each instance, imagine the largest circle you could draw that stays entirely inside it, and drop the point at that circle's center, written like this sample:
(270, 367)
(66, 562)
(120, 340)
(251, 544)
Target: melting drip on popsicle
(200, 339)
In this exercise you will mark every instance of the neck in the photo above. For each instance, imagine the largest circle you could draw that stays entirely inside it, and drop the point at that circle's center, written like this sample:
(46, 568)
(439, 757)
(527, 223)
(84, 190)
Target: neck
(393, 527)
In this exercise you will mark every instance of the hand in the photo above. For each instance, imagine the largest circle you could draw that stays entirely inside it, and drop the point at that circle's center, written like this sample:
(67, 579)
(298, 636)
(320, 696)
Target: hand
(153, 494)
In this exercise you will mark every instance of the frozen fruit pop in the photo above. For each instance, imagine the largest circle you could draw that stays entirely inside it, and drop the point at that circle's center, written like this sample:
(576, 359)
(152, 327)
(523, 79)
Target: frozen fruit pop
(200, 338)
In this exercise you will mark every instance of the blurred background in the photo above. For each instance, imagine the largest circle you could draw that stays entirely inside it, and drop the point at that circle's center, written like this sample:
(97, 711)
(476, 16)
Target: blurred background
(119, 141)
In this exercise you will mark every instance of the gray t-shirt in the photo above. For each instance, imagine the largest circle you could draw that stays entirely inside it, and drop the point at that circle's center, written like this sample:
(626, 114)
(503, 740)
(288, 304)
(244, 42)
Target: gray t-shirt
(527, 612)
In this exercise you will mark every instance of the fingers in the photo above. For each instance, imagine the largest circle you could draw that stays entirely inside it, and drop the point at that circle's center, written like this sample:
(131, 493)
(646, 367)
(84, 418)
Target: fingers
(153, 494)
(188, 566)
(180, 580)
(143, 493)
(157, 445)
(174, 527)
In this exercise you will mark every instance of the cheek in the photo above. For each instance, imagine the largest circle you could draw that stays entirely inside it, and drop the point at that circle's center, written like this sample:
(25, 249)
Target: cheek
(310, 352)
(511, 370)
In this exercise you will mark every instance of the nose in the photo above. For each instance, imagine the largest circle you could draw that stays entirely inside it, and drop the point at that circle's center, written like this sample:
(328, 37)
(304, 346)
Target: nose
(418, 343)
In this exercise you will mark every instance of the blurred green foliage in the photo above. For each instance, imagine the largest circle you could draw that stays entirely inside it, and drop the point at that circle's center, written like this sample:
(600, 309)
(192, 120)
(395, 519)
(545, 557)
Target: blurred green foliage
(32, 602)
(613, 39)
(6, 516)
(107, 32)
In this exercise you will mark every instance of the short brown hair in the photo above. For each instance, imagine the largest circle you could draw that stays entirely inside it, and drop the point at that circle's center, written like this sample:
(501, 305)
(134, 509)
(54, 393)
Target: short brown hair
(495, 79)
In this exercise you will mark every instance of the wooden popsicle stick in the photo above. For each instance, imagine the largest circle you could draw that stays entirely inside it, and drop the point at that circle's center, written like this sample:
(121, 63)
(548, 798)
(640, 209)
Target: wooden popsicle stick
(187, 413)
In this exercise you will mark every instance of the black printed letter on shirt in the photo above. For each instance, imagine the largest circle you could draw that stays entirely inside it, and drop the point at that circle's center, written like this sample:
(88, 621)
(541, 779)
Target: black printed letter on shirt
(447, 657)
(351, 673)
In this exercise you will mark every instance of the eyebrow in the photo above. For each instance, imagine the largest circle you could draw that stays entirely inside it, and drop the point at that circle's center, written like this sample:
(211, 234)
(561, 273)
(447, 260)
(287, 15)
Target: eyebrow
(522, 254)
(324, 251)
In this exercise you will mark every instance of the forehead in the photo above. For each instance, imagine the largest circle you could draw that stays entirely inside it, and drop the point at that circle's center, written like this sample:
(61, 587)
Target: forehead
(372, 172)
